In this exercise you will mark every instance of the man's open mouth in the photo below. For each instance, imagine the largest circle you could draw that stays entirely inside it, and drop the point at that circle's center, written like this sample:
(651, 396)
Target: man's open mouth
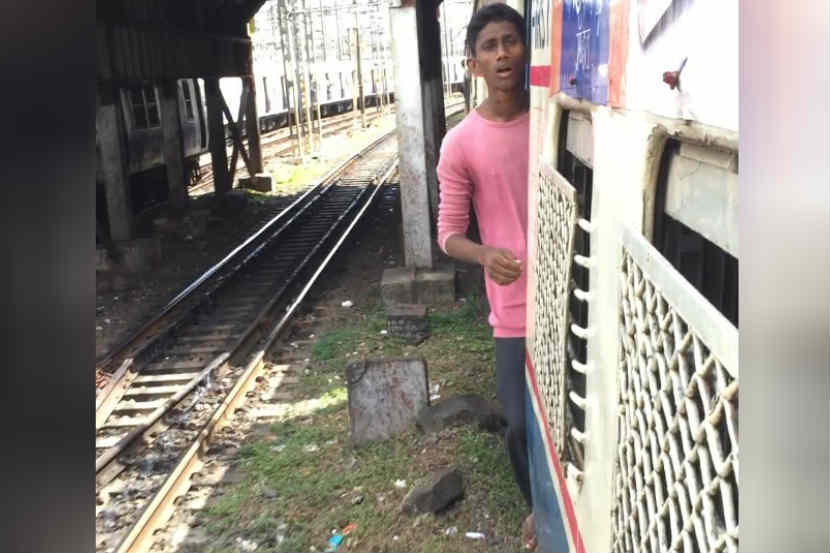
(504, 71)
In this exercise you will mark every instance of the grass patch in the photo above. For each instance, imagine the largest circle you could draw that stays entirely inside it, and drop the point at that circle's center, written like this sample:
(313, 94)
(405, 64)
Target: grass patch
(304, 479)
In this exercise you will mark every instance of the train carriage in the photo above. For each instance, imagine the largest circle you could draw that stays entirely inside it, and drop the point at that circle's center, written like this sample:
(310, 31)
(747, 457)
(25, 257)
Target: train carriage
(632, 320)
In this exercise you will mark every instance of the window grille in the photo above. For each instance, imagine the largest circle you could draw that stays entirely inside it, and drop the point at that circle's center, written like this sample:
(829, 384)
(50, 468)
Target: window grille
(557, 211)
(676, 470)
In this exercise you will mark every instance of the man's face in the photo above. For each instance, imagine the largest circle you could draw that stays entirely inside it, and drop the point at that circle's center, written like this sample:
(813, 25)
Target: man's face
(499, 56)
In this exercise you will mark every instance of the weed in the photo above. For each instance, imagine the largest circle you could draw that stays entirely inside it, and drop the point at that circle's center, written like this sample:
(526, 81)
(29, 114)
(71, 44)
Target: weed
(322, 482)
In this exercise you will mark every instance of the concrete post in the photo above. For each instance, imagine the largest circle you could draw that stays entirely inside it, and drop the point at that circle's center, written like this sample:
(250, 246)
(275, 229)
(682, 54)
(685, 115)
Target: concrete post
(110, 133)
(172, 148)
(415, 201)
(218, 155)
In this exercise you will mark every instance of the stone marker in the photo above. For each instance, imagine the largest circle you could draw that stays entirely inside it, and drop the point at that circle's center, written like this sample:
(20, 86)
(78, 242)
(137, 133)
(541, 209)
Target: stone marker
(463, 409)
(434, 492)
(385, 396)
(261, 181)
(408, 321)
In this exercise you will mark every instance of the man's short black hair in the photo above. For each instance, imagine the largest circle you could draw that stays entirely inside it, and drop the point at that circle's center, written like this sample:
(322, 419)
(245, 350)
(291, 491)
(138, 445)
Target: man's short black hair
(489, 14)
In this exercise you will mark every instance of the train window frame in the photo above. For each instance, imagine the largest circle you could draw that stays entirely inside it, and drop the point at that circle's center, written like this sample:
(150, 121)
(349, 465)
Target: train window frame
(266, 96)
(575, 149)
(699, 237)
(142, 100)
(188, 98)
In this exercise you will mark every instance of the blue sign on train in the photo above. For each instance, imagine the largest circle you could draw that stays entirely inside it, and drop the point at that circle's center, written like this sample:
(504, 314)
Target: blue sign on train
(584, 62)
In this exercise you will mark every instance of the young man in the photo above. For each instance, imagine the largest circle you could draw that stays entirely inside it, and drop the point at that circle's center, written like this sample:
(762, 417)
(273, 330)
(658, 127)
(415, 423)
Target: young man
(484, 161)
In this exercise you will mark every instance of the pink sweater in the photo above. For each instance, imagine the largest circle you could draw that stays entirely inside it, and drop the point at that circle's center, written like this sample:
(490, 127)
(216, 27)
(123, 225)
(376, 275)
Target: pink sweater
(486, 162)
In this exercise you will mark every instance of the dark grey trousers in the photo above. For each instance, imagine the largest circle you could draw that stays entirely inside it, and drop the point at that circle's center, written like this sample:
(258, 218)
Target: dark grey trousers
(510, 389)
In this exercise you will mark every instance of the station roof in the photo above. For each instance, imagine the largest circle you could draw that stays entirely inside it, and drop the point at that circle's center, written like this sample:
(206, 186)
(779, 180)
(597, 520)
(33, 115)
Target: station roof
(151, 40)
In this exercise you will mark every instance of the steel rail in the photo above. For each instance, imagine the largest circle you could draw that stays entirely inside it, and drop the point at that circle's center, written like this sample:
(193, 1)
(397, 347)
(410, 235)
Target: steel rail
(262, 318)
(109, 396)
(178, 482)
(190, 289)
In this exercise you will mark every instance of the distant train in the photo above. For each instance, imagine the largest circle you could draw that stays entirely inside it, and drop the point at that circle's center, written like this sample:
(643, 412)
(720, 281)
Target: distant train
(276, 94)
(275, 97)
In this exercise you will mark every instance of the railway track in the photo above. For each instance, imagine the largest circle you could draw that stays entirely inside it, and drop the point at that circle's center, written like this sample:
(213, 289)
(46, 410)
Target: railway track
(175, 381)
(279, 142)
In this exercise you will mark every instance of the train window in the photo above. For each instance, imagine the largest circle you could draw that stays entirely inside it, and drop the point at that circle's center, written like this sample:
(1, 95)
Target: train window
(575, 163)
(139, 111)
(152, 106)
(144, 108)
(696, 220)
(189, 114)
(285, 92)
(265, 93)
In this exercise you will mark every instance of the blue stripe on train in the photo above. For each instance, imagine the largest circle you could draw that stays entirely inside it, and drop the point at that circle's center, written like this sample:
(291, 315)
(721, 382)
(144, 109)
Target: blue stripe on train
(550, 525)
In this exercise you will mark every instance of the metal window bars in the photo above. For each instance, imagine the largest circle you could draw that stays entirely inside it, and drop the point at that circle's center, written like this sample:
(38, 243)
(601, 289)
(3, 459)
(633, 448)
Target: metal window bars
(555, 241)
(676, 471)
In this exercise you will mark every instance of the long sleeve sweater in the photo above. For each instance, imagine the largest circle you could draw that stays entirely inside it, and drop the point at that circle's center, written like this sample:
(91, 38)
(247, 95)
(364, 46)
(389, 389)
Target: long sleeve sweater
(485, 162)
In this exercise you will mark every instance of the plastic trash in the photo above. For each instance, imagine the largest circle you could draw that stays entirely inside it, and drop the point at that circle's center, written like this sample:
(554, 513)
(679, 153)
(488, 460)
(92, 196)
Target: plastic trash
(451, 531)
(347, 303)
(334, 542)
(400, 483)
(475, 535)
(348, 529)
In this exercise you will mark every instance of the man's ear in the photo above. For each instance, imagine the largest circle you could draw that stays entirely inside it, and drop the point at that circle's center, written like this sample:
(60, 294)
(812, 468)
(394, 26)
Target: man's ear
(472, 65)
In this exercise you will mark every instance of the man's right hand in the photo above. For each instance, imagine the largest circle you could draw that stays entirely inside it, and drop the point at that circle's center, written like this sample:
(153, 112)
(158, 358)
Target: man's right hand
(500, 265)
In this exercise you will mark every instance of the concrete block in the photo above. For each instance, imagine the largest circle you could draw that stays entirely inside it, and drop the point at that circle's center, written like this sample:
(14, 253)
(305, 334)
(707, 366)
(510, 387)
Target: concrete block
(435, 287)
(398, 286)
(261, 181)
(408, 321)
(141, 254)
(385, 396)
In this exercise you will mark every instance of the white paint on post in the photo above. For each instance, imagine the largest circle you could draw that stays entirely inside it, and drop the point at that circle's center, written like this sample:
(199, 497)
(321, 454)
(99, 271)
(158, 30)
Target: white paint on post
(411, 145)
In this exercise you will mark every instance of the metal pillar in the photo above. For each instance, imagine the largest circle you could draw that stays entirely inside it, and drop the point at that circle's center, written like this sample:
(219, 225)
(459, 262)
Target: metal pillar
(110, 132)
(415, 204)
(284, 55)
(432, 90)
(446, 50)
(359, 72)
(218, 155)
(306, 74)
(293, 46)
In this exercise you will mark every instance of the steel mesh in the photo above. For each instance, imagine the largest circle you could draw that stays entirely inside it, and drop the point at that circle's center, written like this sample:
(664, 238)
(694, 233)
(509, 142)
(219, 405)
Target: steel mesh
(557, 213)
(676, 467)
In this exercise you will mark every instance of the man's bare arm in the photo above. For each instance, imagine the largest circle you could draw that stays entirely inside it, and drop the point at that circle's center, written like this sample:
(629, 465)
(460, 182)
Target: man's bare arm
(500, 264)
